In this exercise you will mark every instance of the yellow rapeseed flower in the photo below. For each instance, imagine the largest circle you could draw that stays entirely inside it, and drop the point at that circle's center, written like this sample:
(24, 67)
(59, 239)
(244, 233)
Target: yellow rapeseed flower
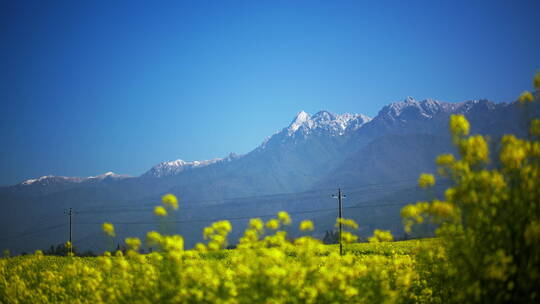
(525, 97)
(513, 151)
(346, 222)
(160, 211)
(284, 218)
(534, 129)
(306, 225)
(133, 243)
(348, 237)
(153, 238)
(207, 232)
(442, 209)
(108, 228)
(475, 149)
(459, 125)
(381, 236)
(272, 224)
(256, 223)
(170, 200)
(536, 81)
(445, 159)
(426, 180)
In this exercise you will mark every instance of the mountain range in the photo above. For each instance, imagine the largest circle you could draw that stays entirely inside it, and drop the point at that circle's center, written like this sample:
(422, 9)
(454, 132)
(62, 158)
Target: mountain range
(374, 160)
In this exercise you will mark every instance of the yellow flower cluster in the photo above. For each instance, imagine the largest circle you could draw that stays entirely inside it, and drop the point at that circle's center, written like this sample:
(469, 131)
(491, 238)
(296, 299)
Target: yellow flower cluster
(170, 200)
(489, 221)
(534, 129)
(271, 270)
(160, 211)
(381, 236)
(526, 97)
(426, 180)
(217, 235)
(488, 249)
(459, 125)
(108, 228)
(306, 225)
(348, 223)
(284, 218)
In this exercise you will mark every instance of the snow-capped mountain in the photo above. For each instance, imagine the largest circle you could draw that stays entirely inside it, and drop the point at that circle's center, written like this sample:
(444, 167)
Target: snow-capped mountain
(108, 175)
(407, 116)
(411, 109)
(174, 167)
(429, 116)
(324, 121)
(312, 153)
(52, 179)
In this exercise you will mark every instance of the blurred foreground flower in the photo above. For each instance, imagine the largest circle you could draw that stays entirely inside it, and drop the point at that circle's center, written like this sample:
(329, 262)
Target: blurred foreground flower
(160, 211)
(169, 200)
(108, 228)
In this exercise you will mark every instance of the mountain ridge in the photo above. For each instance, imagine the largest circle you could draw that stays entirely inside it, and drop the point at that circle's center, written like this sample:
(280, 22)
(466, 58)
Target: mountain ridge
(313, 153)
(304, 125)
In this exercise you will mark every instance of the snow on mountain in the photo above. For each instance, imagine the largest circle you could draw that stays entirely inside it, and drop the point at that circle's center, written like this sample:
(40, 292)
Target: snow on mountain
(325, 121)
(109, 174)
(411, 109)
(52, 179)
(300, 119)
(48, 179)
(395, 115)
(174, 167)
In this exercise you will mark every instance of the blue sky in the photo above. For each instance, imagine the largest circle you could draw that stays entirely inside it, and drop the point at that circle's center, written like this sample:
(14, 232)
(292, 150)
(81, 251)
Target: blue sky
(92, 87)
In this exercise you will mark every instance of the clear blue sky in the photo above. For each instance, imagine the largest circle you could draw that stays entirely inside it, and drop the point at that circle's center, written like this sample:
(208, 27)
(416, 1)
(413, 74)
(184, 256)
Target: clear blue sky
(98, 86)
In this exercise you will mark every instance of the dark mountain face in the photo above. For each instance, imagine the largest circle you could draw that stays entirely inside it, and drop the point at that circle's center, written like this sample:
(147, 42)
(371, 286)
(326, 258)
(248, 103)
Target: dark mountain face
(390, 157)
(314, 153)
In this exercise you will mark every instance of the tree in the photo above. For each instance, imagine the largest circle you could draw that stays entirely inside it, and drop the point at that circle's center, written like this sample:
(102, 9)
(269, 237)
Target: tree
(331, 237)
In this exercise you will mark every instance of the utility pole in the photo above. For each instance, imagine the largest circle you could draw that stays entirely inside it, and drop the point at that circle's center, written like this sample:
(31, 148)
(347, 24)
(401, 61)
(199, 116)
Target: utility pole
(70, 213)
(340, 208)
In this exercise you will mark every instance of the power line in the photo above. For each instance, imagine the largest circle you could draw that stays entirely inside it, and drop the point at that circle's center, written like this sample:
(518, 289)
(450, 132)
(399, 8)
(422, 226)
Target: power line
(247, 217)
(30, 233)
(26, 234)
(211, 220)
(376, 205)
(49, 228)
(129, 208)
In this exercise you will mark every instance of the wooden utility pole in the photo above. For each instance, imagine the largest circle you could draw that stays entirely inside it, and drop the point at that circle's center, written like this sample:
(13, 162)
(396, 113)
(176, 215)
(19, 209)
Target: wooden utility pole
(339, 196)
(70, 213)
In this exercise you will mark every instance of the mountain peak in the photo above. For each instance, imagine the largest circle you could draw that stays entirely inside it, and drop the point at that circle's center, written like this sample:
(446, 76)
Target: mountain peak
(409, 99)
(39, 179)
(51, 179)
(109, 174)
(169, 168)
(325, 121)
(298, 120)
